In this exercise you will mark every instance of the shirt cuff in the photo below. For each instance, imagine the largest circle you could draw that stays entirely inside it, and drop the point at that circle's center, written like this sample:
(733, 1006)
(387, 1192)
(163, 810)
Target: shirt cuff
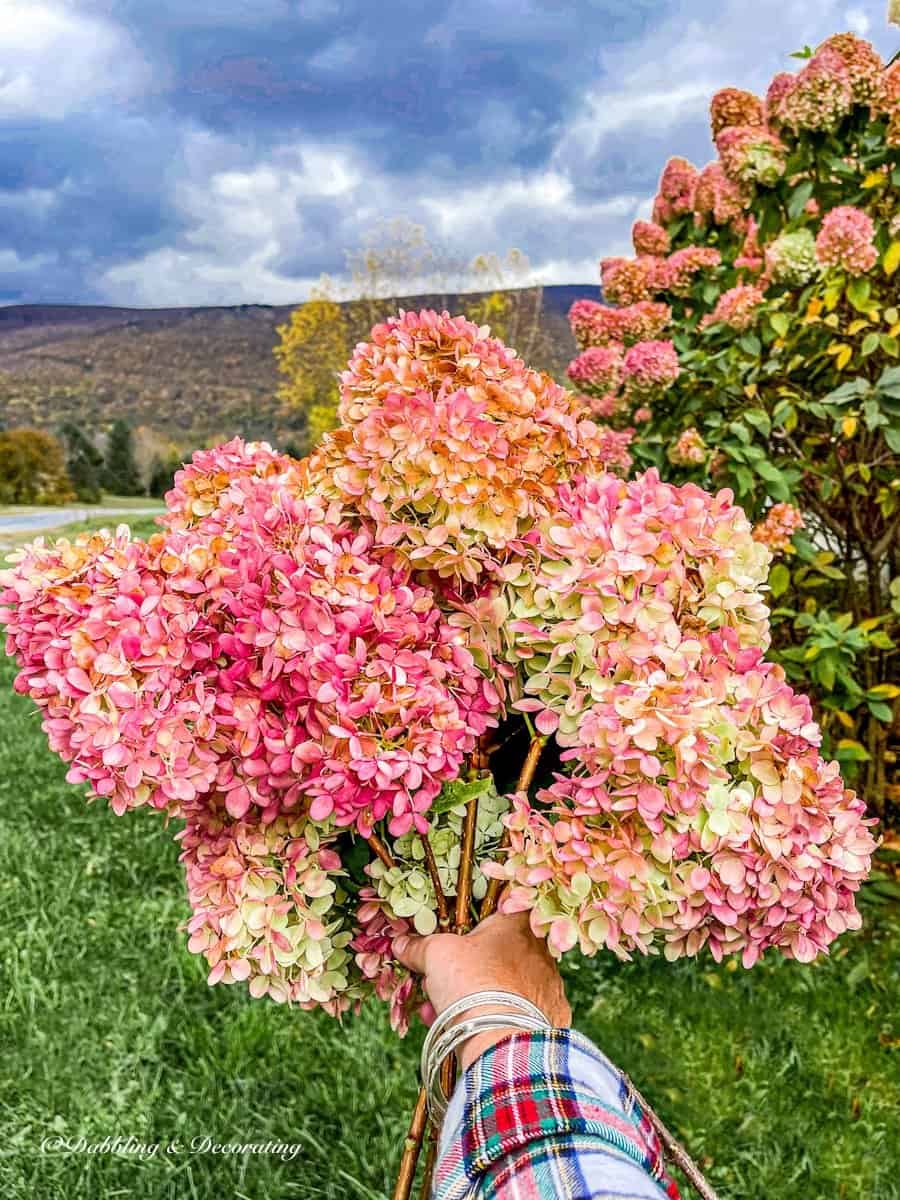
(534, 1085)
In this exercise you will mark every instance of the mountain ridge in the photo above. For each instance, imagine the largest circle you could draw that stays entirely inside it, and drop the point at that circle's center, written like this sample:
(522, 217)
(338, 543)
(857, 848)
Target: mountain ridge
(189, 374)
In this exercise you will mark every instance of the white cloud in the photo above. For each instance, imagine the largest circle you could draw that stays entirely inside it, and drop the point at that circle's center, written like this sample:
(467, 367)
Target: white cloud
(11, 263)
(252, 218)
(32, 199)
(54, 60)
(242, 222)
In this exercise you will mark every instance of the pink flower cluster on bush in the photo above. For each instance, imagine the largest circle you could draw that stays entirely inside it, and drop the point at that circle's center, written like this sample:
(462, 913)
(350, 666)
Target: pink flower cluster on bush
(738, 307)
(778, 527)
(846, 239)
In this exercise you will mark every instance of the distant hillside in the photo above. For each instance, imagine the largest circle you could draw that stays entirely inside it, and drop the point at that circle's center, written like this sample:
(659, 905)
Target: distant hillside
(187, 374)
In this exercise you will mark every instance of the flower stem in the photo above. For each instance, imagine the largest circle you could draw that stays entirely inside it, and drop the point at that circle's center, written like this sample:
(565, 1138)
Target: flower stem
(440, 898)
(411, 1148)
(380, 850)
(526, 777)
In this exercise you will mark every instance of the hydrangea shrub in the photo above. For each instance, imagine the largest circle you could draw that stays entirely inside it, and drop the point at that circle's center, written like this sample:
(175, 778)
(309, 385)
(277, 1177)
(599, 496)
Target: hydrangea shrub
(773, 274)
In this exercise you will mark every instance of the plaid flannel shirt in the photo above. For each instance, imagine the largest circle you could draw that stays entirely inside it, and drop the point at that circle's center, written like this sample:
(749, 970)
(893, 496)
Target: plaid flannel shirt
(546, 1115)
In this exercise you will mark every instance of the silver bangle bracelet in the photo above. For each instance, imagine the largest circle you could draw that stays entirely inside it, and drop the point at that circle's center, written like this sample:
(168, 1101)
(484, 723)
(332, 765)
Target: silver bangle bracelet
(445, 1036)
(438, 1101)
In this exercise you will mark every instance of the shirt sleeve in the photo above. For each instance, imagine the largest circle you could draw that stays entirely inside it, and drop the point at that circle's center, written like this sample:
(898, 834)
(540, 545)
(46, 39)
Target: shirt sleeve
(547, 1115)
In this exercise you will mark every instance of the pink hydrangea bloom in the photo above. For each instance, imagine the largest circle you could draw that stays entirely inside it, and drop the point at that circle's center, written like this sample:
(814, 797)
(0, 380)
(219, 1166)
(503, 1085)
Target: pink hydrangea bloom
(846, 239)
(268, 908)
(751, 154)
(649, 368)
(598, 369)
(717, 196)
(584, 317)
(649, 238)
(683, 266)
(738, 307)
(732, 106)
(447, 443)
(820, 96)
(890, 103)
(689, 450)
(629, 280)
(699, 814)
(600, 325)
(207, 492)
(112, 647)
(781, 523)
(676, 190)
(614, 450)
(779, 87)
(862, 62)
(628, 575)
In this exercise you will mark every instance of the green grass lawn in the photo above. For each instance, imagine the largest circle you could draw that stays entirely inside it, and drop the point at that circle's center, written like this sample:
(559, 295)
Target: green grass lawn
(785, 1078)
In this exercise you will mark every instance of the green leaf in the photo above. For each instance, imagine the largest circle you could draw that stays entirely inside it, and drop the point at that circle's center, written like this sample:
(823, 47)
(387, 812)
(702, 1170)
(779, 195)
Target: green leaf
(882, 712)
(858, 292)
(759, 419)
(889, 382)
(800, 198)
(779, 579)
(744, 481)
(892, 437)
(780, 322)
(774, 478)
(750, 344)
(850, 751)
(847, 392)
(870, 344)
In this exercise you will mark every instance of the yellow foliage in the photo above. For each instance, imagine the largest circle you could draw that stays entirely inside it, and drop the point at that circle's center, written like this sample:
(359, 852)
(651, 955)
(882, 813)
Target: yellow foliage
(312, 351)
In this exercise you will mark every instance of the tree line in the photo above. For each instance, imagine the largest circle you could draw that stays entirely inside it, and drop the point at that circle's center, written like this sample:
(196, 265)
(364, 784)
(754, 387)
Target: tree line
(38, 467)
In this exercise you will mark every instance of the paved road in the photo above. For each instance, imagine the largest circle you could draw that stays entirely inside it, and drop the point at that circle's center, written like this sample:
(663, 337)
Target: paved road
(52, 518)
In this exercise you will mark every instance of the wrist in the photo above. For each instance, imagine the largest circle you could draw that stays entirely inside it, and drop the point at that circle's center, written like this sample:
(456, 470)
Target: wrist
(470, 1051)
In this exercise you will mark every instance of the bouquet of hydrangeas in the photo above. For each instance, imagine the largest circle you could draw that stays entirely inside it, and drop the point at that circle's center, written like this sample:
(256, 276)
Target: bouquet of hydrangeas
(340, 674)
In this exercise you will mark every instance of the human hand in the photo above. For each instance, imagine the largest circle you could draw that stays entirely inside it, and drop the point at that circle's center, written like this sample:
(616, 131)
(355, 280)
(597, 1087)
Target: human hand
(501, 953)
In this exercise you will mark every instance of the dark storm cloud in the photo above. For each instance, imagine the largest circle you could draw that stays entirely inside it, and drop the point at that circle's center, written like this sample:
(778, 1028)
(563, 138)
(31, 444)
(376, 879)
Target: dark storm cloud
(160, 151)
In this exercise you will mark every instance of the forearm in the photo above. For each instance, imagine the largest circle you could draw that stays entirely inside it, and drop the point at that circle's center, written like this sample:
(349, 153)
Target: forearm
(547, 1115)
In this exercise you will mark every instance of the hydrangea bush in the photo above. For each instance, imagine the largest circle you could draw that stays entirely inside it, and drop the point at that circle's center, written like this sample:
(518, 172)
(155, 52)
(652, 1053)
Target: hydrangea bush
(771, 276)
(327, 673)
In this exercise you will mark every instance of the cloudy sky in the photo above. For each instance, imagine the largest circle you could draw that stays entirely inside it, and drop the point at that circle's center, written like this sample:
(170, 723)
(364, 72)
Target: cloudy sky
(161, 152)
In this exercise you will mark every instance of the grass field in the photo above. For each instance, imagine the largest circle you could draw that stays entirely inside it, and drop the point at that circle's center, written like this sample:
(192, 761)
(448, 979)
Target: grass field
(785, 1078)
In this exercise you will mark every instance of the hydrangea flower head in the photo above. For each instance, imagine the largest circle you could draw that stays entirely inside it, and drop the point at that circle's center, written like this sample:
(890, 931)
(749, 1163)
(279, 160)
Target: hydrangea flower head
(861, 61)
(689, 450)
(649, 238)
(732, 106)
(846, 239)
(448, 442)
(738, 307)
(820, 96)
(781, 523)
(630, 280)
(649, 368)
(791, 257)
(718, 197)
(751, 154)
(683, 266)
(601, 325)
(598, 369)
